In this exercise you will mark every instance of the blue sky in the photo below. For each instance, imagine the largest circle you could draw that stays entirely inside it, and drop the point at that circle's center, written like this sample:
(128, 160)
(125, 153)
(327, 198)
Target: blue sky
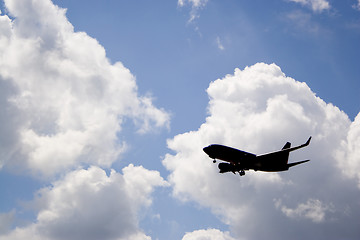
(283, 32)
(114, 101)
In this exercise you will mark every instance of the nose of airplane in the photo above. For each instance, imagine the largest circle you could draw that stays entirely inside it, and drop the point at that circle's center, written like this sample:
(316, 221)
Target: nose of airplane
(210, 152)
(207, 150)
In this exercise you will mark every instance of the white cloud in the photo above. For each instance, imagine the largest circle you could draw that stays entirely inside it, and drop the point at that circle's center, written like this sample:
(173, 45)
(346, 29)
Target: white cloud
(357, 6)
(315, 5)
(219, 44)
(65, 102)
(196, 5)
(6, 220)
(88, 204)
(258, 109)
(208, 234)
(304, 23)
(348, 156)
(313, 209)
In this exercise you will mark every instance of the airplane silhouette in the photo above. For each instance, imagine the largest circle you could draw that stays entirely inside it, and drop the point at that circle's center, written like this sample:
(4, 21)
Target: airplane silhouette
(241, 161)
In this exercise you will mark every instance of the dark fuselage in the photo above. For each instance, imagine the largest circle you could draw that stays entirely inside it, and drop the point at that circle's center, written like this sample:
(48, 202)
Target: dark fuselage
(247, 161)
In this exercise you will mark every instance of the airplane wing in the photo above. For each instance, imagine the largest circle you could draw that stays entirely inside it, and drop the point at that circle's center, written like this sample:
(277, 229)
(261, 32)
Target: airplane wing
(297, 147)
(286, 150)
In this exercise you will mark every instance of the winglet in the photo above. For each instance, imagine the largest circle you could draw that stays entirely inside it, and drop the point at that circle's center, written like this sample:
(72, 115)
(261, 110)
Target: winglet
(308, 141)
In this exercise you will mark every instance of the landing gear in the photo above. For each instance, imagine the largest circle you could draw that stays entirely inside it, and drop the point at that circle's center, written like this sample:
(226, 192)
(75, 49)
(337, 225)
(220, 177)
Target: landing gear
(242, 173)
(214, 161)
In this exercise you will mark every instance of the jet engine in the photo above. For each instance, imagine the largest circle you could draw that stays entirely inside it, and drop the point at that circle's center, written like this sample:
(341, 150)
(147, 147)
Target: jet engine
(226, 167)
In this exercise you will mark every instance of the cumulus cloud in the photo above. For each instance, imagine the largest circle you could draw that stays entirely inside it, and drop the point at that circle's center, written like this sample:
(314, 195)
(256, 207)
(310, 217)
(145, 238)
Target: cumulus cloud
(196, 5)
(315, 5)
(348, 156)
(89, 204)
(6, 220)
(64, 101)
(208, 234)
(258, 109)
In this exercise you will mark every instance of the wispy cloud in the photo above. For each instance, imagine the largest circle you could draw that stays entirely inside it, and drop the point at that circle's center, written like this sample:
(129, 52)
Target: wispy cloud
(219, 44)
(303, 21)
(315, 5)
(357, 6)
(196, 5)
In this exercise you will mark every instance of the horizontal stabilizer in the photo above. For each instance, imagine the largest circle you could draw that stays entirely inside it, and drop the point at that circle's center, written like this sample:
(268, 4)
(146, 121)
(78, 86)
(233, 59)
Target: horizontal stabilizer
(296, 163)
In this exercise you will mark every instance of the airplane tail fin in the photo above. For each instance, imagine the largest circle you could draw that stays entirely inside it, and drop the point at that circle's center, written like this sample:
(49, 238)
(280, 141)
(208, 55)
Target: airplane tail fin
(286, 154)
(287, 145)
(296, 163)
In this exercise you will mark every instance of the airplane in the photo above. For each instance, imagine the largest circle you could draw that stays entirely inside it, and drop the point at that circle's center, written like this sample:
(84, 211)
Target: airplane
(241, 161)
